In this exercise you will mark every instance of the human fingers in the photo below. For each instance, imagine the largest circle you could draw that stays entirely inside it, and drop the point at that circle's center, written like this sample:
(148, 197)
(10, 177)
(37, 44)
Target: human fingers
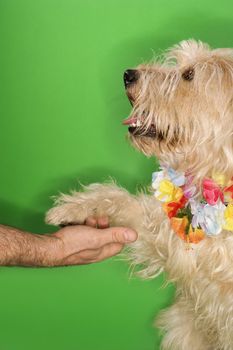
(103, 222)
(91, 221)
(121, 235)
(89, 256)
(75, 239)
(109, 250)
(98, 222)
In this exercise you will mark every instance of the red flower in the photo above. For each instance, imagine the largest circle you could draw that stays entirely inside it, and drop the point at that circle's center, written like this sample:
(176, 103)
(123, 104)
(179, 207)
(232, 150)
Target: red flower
(211, 191)
(171, 208)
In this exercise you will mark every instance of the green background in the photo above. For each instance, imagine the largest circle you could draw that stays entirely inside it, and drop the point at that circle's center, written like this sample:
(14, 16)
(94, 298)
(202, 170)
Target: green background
(61, 103)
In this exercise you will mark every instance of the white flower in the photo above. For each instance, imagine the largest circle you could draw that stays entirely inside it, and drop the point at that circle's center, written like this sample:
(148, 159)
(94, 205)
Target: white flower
(157, 177)
(176, 178)
(209, 217)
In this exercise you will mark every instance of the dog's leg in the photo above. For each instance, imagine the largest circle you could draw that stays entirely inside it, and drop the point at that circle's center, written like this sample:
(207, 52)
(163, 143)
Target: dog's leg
(97, 200)
(181, 333)
(141, 213)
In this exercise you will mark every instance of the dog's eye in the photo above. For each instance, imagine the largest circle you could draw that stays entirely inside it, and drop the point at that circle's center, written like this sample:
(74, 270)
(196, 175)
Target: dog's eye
(188, 74)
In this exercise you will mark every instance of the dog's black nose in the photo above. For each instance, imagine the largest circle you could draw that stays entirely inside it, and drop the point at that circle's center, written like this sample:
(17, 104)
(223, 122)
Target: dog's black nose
(130, 76)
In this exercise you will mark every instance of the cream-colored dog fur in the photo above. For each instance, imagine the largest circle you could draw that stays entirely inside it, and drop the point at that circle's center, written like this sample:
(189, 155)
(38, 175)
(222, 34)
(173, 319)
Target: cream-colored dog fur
(188, 98)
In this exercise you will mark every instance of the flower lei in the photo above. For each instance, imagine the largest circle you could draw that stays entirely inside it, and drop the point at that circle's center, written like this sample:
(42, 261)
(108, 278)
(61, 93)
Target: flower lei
(193, 217)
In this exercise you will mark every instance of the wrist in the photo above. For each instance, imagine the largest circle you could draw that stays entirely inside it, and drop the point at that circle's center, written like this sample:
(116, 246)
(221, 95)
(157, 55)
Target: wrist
(41, 251)
(49, 250)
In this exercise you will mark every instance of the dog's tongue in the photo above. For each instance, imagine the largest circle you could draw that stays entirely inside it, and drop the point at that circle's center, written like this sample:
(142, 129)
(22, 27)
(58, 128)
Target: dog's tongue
(129, 121)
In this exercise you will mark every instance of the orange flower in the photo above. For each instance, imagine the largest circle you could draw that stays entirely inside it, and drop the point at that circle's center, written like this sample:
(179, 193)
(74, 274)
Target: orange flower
(179, 225)
(195, 235)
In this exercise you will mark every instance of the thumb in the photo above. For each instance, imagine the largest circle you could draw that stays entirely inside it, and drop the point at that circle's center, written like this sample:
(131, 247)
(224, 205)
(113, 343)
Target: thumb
(121, 235)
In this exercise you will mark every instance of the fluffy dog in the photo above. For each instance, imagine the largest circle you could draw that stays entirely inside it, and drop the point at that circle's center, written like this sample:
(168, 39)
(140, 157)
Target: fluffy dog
(182, 114)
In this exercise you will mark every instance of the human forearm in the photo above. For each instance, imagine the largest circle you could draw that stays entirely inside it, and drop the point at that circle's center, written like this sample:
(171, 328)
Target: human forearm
(26, 249)
(73, 245)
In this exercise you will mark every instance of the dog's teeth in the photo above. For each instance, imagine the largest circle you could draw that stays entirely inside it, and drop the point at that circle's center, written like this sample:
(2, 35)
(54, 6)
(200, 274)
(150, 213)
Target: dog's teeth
(136, 124)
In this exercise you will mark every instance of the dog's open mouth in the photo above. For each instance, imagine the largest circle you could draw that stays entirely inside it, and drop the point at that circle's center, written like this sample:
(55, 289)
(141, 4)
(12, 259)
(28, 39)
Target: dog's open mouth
(136, 128)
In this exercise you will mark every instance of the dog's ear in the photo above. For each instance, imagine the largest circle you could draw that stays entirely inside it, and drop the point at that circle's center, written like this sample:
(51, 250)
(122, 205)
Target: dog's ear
(188, 51)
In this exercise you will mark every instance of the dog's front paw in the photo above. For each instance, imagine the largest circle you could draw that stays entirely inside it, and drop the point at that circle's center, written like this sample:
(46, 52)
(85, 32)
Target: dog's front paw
(68, 210)
(95, 200)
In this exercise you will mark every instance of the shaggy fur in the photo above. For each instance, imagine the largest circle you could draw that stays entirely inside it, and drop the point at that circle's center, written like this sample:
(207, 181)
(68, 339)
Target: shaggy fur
(187, 100)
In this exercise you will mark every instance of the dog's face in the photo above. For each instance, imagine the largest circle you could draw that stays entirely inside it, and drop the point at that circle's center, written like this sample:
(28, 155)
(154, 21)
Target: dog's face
(182, 108)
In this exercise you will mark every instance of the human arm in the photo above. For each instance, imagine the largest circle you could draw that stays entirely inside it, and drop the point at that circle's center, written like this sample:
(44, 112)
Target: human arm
(71, 245)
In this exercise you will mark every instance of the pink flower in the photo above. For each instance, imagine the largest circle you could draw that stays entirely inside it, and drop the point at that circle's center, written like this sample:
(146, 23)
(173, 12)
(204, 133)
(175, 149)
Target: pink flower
(211, 192)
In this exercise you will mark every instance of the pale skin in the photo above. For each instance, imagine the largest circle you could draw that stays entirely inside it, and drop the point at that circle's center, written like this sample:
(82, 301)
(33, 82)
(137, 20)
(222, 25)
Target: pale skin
(71, 245)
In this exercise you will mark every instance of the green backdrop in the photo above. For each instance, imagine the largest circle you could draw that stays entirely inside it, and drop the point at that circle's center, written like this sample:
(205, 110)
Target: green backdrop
(62, 102)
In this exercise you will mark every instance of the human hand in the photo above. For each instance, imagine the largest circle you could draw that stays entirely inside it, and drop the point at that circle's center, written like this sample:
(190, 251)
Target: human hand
(78, 244)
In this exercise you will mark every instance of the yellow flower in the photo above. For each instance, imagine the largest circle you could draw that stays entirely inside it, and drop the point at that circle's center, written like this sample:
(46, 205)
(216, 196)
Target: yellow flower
(228, 215)
(219, 178)
(228, 197)
(168, 192)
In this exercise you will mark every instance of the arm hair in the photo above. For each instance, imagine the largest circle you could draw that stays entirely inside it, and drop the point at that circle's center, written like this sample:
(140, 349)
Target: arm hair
(23, 248)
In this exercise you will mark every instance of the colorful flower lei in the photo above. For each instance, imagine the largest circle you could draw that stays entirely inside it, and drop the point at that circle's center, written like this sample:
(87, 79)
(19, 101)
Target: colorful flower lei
(194, 216)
